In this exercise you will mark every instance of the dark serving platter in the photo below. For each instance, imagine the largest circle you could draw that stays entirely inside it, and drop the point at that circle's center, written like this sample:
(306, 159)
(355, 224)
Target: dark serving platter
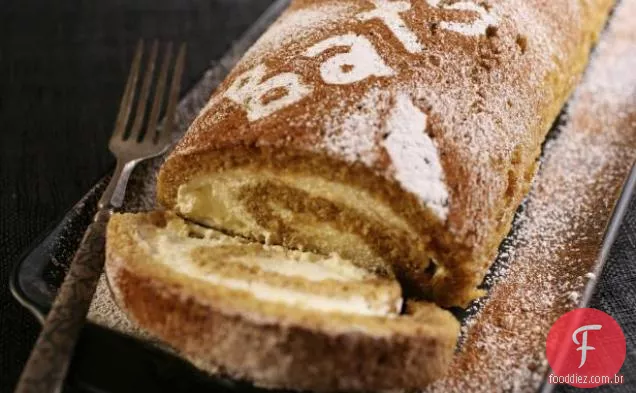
(108, 361)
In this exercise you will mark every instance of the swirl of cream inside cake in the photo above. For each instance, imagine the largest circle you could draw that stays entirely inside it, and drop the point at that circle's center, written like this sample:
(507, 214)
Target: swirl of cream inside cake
(309, 213)
(270, 273)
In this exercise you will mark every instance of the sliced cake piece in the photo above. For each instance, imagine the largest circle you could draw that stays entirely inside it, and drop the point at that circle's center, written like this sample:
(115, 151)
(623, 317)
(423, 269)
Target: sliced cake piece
(277, 317)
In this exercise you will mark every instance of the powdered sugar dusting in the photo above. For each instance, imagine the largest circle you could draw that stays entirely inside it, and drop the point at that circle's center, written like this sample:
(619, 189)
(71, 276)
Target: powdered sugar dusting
(389, 13)
(478, 27)
(295, 26)
(250, 88)
(415, 156)
(543, 270)
(361, 62)
(353, 133)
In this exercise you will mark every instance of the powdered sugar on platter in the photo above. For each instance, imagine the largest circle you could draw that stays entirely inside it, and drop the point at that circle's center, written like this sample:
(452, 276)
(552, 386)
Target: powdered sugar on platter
(544, 267)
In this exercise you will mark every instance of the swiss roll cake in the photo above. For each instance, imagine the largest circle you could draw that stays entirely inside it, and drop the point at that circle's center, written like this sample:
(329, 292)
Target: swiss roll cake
(352, 177)
(398, 135)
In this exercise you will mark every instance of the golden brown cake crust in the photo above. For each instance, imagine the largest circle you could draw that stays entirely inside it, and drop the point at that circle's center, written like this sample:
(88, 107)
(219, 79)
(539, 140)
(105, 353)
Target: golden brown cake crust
(229, 332)
(489, 96)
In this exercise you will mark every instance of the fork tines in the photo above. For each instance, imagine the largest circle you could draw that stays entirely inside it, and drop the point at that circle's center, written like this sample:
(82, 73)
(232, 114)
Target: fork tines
(150, 134)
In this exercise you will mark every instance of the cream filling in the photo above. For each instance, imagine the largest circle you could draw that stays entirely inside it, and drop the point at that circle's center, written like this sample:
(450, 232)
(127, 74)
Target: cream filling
(175, 252)
(214, 203)
(354, 304)
(332, 268)
(213, 198)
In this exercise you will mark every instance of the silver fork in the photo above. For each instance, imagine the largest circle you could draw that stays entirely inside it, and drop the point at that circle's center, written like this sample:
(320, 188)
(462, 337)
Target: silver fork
(48, 363)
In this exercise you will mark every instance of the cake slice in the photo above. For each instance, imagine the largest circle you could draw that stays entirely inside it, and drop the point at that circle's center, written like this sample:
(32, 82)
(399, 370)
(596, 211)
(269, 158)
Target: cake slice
(278, 317)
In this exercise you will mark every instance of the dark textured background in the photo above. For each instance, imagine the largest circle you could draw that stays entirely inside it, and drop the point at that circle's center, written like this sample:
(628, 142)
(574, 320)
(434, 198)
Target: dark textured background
(62, 70)
(63, 65)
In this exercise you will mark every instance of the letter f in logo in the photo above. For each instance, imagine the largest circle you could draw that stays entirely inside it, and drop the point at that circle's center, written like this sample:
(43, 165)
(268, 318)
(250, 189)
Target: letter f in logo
(584, 347)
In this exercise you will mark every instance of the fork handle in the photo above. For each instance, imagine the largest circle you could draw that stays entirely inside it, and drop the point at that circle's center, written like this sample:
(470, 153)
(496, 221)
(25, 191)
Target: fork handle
(115, 191)
(49, 361)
